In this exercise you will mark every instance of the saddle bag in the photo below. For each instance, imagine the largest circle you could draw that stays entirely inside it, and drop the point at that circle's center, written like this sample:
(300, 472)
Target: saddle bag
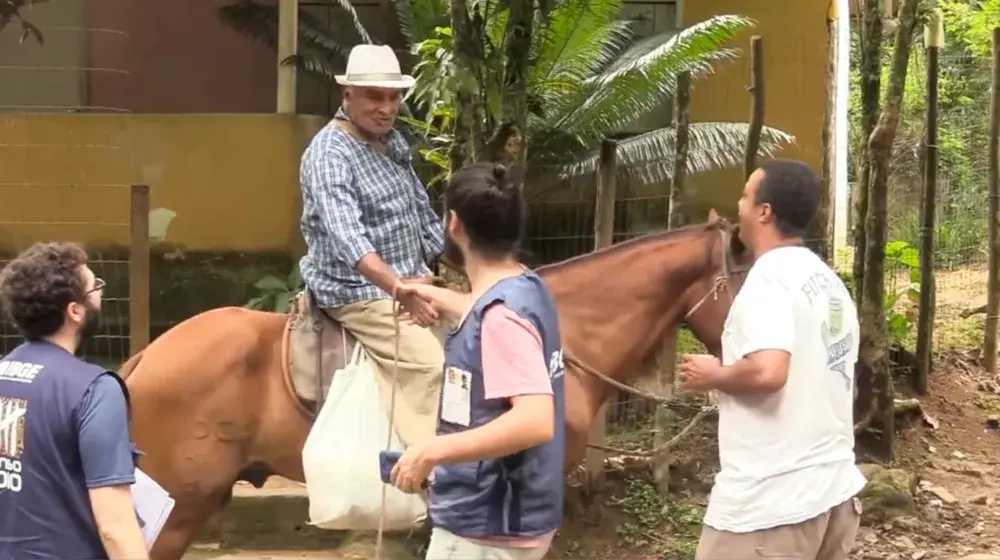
(341, 457)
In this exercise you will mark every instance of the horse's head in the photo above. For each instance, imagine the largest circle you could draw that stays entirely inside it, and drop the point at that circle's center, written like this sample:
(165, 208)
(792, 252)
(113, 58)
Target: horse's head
(708, 301)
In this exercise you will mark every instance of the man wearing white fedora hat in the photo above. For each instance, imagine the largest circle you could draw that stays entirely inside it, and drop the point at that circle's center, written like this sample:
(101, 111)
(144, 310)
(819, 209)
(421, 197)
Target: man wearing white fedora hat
(368, 224)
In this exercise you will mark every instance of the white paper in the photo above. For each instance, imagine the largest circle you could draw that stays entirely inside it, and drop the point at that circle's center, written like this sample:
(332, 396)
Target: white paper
(456, 402)
(152, 505)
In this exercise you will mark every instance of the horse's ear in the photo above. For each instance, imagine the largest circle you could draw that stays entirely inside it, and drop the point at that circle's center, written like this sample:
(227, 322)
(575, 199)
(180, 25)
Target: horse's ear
(713, 216)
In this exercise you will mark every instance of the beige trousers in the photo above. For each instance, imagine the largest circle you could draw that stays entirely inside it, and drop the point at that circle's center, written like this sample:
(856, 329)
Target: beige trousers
(446, 545)
(829, 536)
(421, 364)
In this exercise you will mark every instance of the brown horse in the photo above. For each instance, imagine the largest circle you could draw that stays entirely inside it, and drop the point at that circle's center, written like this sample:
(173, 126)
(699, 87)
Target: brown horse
(211, 405)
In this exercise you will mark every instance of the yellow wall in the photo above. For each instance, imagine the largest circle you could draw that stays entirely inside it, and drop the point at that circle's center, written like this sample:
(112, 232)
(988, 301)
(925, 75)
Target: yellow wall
(794, 34)
(232, 180)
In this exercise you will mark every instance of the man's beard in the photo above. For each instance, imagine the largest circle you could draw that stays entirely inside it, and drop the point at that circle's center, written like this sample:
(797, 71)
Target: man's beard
(452, 252)
(91, 323)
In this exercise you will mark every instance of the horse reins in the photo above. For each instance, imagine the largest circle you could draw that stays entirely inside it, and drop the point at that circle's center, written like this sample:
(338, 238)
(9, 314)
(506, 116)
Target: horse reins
(719, 284)
(392, 417)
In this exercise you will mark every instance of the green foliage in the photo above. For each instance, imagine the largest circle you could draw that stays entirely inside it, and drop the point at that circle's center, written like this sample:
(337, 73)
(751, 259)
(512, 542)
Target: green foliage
(276, 293)
(963, 99)
(590, 76)
(972, 23)
(670, 526)
(901, 301)
(902, 291)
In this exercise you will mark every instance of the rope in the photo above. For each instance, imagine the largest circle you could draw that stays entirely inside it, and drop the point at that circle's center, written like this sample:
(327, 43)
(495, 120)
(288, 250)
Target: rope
(392, 418)
(663, 447)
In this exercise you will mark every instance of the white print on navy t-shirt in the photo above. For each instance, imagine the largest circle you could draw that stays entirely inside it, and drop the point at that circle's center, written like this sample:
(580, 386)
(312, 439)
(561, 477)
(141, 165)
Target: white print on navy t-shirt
(12, 424)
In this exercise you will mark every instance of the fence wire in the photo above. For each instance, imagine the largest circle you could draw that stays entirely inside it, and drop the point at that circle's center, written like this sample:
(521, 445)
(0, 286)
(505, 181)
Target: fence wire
(110, 346)
(60, 180)
(961, 220)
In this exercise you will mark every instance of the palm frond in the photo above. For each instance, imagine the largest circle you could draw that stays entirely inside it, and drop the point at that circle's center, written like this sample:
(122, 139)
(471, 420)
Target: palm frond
(579, 38)
(258, 22)
(674, 48)
(649, 157)
(323, 48)
(418, 18)
(646, 77)
(348, 9)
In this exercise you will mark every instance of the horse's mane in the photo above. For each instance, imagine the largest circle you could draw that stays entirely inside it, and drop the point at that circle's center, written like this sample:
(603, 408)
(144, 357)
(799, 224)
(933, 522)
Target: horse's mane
(669, 237)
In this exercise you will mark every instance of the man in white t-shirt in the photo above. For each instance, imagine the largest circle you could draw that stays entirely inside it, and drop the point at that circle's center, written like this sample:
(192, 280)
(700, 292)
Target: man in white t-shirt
(788, 483)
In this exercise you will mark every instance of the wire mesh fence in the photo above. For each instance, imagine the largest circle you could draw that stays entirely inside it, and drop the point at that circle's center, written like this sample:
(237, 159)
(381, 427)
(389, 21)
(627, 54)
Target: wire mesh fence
(57, 184)
(61, 57)
(108, 254)
(960, 214)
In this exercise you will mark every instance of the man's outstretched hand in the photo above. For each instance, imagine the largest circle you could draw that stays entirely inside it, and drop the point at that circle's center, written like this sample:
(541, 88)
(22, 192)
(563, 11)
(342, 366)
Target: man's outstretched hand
(416, 305)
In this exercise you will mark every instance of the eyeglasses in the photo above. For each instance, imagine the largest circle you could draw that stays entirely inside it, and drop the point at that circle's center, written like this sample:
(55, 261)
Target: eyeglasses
(98, 286)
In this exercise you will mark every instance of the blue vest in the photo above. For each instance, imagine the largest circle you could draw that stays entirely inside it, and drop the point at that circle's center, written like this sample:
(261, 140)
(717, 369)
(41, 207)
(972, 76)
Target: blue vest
(519, 495)
(44, 505)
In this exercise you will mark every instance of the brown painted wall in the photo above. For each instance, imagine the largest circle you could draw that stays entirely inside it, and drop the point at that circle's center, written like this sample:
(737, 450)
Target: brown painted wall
(179, 57)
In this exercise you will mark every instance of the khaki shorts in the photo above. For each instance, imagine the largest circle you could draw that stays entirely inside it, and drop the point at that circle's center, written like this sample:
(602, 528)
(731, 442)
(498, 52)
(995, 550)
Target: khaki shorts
(829, 536)
(446, 545)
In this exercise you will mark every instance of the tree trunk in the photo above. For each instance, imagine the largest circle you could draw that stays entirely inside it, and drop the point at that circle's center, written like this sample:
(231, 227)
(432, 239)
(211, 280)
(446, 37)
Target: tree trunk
(508, 142)
(874, 343)
(682, 123)
(871, 78)
(823, 225)
(469, 109)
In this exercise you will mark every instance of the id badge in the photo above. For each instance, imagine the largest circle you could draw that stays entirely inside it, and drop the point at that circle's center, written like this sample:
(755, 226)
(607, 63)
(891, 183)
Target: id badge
(456, 400)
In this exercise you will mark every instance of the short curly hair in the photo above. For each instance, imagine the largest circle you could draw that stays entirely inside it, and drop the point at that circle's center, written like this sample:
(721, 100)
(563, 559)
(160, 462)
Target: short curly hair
(36, 287)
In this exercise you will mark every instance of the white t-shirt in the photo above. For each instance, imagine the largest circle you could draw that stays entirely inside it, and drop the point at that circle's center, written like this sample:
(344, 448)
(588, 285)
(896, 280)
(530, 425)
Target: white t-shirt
(789, 456)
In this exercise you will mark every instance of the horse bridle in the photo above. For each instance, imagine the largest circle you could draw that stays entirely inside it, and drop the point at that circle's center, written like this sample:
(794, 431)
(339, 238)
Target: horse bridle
(719, 284)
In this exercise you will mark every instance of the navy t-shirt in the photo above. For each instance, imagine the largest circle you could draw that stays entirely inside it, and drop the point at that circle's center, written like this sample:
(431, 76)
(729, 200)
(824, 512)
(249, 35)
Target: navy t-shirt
(105, 448)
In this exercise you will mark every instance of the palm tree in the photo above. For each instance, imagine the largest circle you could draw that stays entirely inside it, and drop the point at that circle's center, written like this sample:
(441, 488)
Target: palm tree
(10, 10)
(590, 76)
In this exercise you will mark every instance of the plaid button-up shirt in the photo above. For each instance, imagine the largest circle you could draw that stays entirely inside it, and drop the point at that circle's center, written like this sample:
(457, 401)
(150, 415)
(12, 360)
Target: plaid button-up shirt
(355, 201)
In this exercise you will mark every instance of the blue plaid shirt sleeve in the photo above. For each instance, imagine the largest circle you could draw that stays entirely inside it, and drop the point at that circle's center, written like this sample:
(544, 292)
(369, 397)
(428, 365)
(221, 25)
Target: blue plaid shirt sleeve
(433, 230)
(332, 181)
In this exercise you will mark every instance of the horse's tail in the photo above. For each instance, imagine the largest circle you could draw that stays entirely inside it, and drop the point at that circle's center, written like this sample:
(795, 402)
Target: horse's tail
(130, 365)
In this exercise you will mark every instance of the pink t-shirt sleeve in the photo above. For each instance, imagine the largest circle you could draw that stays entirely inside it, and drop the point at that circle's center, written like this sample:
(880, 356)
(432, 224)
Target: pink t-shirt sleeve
(513, 360)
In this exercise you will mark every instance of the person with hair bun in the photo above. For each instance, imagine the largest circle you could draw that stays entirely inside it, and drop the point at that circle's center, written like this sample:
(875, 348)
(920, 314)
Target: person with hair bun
(498, 458)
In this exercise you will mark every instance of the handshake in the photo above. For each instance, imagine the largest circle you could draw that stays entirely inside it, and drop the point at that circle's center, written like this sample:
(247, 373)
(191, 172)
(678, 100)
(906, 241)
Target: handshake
(425, 302)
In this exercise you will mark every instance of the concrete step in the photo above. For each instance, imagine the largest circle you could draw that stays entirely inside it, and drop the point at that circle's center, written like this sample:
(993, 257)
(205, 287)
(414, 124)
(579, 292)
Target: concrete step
(276, 517)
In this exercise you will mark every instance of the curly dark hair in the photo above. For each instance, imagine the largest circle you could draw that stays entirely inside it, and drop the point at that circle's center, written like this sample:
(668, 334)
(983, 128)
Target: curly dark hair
(36, 287)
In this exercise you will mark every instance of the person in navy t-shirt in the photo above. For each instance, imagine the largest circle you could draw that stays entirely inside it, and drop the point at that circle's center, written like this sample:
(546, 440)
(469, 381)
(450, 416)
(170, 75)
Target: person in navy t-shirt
(66, 460)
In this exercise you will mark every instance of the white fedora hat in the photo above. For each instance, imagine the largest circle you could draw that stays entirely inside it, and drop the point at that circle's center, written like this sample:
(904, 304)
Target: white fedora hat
(374, 66)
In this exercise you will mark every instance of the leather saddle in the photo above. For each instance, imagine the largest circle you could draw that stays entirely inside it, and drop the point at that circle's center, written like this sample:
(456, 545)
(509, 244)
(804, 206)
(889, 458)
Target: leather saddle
(314, 348)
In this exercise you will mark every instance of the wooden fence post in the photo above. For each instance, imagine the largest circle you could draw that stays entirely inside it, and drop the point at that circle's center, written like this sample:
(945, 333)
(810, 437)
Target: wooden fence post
(756, 90)
(604, 228)
(993, 225)
(138, 269)
(933, 41)
(667, 360)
